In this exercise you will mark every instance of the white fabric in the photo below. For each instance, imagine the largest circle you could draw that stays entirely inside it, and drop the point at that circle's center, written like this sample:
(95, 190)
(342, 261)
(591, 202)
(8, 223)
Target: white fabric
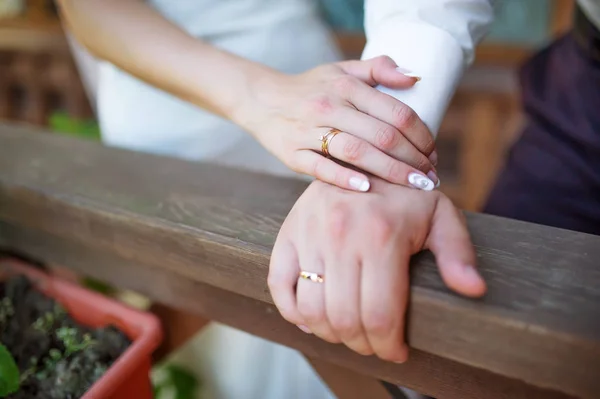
(434, 39)
(287, 35)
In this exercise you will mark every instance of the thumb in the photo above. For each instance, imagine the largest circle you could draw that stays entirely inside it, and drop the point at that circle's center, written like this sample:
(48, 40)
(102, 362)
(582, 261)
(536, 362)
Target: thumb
(454, 253)
(380, 70)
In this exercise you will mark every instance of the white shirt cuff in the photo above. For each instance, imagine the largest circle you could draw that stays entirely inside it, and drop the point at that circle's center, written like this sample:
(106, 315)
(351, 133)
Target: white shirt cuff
(428, 52)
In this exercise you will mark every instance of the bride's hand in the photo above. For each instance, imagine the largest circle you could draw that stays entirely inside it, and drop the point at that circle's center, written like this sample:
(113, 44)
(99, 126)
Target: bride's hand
(292, 114)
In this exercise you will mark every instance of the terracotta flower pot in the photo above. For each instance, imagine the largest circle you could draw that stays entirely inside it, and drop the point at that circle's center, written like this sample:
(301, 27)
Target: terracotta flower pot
(128, 377)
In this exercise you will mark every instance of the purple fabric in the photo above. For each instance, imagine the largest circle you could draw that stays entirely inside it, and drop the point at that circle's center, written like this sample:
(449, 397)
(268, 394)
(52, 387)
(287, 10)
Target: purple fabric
(552, 174)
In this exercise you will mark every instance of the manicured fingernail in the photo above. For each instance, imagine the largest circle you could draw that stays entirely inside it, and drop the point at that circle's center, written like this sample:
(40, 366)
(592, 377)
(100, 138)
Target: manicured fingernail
(433, 157)
(413, 75)
(304, 328)
(408, 73)
(420, 181)
(359, 184)
(433, 176)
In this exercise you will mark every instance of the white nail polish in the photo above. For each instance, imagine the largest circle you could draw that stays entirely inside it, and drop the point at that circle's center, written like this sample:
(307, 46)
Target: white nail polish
(359, 184)
(408, 73)
(438, 183)
(421, 182)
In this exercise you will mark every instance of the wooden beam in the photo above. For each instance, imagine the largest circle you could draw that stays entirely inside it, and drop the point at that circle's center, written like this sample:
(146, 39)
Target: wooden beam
(178, 328)
(348, 384)
(212, 226)
(429, 374)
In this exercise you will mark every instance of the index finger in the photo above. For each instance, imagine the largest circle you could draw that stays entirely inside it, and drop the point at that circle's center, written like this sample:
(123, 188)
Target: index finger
(380, 70)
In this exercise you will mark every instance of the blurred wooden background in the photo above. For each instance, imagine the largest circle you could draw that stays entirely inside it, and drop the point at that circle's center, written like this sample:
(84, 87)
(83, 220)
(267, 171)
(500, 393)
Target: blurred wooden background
(37, 72)
(38, 77)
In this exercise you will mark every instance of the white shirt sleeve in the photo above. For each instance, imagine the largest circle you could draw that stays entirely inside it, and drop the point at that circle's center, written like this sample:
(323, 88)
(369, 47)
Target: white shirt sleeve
(434, 39)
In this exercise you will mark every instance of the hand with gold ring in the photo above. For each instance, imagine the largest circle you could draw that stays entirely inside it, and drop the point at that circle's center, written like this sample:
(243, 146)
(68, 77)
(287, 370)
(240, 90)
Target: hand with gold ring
(334, 113)
(339, 267)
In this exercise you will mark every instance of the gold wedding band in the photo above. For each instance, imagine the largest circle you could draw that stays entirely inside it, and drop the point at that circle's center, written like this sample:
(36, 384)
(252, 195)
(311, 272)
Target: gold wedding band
(326, 140)
(314, 277)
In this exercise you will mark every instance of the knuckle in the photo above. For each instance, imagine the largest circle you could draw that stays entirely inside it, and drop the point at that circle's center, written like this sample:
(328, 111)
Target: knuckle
(386, 138)
(428, 144)
(378, 322)
(321, 105)
(341, 177)
(317, 167)
(395, 171)
(338, 222)
(381, 229)
(404, 116)
(311, 312)
(354, 149)
(384, 60)
(347, 325)
(345, 85)
(422, 163)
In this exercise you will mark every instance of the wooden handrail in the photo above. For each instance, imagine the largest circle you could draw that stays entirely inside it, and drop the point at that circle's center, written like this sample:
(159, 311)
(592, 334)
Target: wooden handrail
(198, 237)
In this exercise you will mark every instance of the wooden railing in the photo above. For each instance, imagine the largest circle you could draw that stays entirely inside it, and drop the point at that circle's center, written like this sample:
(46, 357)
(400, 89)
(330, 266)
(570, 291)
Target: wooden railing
(197, 237)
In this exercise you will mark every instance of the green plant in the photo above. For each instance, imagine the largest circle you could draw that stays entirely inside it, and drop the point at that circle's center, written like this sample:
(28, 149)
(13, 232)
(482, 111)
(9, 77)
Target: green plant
(9, 373)
(61, 122)
(6, 310)
(54, 356)
(98, 286)
(30, 371)
(71, 341)
(50, 362)
(45, 322)
(175, 382)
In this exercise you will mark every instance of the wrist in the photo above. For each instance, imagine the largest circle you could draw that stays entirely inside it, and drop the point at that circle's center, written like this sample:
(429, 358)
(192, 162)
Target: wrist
(257, 94)
(219, 81)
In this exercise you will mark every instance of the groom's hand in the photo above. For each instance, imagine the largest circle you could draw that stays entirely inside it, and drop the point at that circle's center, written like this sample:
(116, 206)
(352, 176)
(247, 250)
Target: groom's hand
(361, 244)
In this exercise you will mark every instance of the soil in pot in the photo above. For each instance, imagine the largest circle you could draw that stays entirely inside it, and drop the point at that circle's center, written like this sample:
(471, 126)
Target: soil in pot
(57, 357)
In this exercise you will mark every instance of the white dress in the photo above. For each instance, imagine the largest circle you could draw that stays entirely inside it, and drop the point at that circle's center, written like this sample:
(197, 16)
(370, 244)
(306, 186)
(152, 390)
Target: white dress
(285, 34)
